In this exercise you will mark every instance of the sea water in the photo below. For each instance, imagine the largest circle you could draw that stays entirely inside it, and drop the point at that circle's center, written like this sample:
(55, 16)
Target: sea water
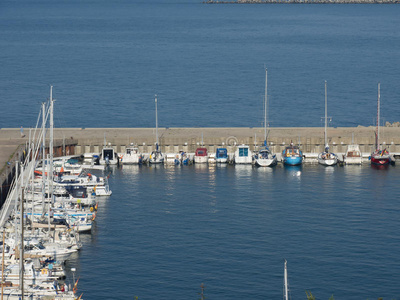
(107, 60)
(167, 230)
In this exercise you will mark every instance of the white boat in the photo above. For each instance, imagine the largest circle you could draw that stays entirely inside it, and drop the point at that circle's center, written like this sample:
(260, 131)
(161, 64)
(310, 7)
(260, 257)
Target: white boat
(212, 159)
(353, 155)
(243, 155)
(201, 156)
(221, 156)
(90, 181)
(327, 158)
(156, 156)
(108, 156)
(264, 157)
(132, 155)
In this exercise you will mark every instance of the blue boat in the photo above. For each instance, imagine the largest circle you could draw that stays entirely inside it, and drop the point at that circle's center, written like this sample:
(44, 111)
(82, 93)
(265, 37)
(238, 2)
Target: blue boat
(222, 155)
(292, 156)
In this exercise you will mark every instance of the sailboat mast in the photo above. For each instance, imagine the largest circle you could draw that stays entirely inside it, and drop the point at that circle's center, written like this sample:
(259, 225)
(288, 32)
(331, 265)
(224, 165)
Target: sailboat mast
(378, 146)
(286, 282)
(326, 114)
(51, 145)
(265, 104)
(43, 155)
(156, 121)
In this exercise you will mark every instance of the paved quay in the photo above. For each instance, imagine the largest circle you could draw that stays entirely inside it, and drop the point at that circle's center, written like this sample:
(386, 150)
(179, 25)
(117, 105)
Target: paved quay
(311, 139)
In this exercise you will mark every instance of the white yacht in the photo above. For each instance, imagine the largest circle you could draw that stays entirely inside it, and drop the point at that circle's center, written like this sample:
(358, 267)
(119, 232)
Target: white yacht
(327, 158)
(108, 156)
(201, 156)
(132, 155)
(264, 157)
(156, 157)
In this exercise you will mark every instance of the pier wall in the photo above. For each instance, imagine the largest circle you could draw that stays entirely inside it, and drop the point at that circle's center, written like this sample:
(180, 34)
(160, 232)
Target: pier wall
(13, 150)
(311, 140)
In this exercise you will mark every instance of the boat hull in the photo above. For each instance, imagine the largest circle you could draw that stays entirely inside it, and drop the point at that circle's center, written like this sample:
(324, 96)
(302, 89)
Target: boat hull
(266, 162)
(293, 160)
(327, 159)
(380, 160)
(200, 159)
(353, 160)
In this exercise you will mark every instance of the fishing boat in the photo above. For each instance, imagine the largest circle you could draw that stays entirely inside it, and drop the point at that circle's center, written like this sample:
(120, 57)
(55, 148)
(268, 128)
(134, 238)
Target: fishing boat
(221, 155)
(327, 158)
(132, 155)
(379, 157)
(292, 156)
(201, 156)
(108, 156)
(353, 155)
(156, 157)
(243, 155)
(264, 157)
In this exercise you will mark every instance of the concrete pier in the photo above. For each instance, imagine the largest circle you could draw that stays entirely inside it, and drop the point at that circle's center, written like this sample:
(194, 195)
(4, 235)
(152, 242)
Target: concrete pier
(72, 141)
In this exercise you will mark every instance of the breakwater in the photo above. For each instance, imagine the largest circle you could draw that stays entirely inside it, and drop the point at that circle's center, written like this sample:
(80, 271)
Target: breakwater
(311, 140)
(72, 141)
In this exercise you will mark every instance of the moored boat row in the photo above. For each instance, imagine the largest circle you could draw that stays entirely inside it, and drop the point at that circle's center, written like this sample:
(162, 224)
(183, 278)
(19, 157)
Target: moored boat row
(50, 203)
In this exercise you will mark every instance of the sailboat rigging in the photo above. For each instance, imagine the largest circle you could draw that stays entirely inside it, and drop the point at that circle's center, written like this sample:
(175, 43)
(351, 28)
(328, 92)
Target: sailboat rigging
(327, 158)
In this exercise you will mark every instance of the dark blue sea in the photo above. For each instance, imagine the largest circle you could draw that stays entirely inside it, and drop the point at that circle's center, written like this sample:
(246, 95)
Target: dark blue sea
(107, 59)
(165, 231)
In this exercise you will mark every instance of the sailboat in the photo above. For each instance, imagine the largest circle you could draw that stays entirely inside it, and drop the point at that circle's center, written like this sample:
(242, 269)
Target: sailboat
(292, 155)
(264, 158)
(379, 157)
(156, 157)
(327, 158)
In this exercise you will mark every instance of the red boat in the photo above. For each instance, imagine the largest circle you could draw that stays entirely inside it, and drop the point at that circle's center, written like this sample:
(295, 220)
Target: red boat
(380, 157)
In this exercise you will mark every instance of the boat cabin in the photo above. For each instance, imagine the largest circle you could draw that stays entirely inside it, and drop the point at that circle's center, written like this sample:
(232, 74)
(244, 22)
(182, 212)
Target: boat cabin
(243, 151)
(108, 153)
(201, 152)
(222, 153)
(292, 151)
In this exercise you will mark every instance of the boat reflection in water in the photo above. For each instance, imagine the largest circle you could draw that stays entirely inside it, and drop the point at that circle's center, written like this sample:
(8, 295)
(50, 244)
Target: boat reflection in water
(294, 171)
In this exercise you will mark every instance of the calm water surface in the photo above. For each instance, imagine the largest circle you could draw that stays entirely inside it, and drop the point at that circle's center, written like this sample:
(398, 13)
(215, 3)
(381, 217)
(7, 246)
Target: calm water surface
(164, 231)
(106, 61)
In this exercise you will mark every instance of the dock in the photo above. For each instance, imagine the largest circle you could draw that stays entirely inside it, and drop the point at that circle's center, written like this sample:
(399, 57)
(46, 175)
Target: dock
(77, 141)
